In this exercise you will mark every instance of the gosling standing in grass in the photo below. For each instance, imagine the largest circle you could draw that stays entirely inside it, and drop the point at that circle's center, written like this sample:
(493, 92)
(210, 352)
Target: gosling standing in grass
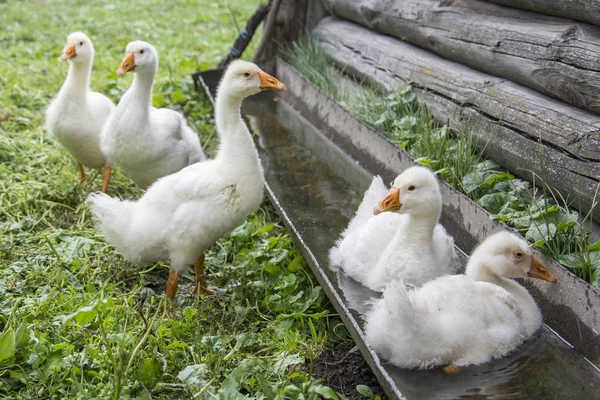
(77, 115)
(181, 215)
(146, 142)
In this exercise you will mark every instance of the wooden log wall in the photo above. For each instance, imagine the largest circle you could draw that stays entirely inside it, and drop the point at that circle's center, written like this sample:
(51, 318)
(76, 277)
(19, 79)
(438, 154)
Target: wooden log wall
(554, 56)
(579, 10)
(510, 120)
(285, 22)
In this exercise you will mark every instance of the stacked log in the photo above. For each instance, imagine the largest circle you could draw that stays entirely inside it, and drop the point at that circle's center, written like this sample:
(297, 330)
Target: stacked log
(519, 128)
(579, 10)
(554, 56)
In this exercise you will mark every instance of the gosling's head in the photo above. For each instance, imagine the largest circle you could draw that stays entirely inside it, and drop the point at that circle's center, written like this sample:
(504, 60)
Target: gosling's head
(139, 57)
(507, 255)
(243, 79)
(415, 191)
(79, 48)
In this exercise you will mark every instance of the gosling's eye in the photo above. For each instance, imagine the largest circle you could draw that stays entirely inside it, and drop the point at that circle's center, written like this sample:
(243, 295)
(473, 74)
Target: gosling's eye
(411, 187)
(142, 51)
(81, 43)
(247, 74)
(519, 254)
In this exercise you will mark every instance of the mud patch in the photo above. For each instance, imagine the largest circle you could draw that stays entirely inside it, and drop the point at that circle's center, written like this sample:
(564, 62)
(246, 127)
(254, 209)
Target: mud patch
(343, 370)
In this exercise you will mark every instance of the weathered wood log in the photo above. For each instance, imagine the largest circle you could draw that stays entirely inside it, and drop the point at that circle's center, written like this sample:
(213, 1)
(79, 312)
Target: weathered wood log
(285, 22)
(519, 128)
(579, 10)
(554, 56)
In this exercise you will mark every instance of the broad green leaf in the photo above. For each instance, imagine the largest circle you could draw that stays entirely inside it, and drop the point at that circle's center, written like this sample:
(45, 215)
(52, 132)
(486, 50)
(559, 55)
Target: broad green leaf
(83, 315)
(498, 177)
(243, 232)
(281, 255)
(247, 339)
(265, 229)
(22, 335)
(123, 339)
(472, 181)
(425, 161)
(149, 372)
(53, 363)
(229, 387)
(495, 202)
(194, 376)
(297, 263)
(72, 246)
(88, 313)
(271, 269)
(594, 258)
(573, 260)
(365, 391)
(8, 346)
(538, 234)
(325, 392)
(284, 360)
(105, 305)
(213, 343)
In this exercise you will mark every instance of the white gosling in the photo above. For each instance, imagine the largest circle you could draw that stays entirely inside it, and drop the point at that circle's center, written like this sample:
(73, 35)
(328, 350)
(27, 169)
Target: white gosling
(403, 240)
(76, 116)
(147, 143)
(182, 214)
(463, 319)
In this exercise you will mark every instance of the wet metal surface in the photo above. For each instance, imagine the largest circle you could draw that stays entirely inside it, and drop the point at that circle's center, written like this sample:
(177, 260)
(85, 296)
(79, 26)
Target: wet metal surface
(317, 188)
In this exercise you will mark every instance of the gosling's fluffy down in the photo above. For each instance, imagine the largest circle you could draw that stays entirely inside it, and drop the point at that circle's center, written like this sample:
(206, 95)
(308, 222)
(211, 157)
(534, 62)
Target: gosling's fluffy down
(77, 115)
(462, 319)
(408, 243)
(145, 142)
(184, 213)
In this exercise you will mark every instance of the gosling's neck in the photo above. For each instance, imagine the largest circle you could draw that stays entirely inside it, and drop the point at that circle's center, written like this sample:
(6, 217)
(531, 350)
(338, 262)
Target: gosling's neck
(141, 89)
(420, 226)
(479, 270)
(77, 83)
(236, 141)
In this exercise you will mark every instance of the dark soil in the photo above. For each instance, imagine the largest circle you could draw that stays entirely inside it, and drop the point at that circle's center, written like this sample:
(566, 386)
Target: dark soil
(343, 371)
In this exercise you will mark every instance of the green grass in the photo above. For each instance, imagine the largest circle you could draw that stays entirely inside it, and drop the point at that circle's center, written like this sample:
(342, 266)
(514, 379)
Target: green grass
(71, 308)
(541, 215)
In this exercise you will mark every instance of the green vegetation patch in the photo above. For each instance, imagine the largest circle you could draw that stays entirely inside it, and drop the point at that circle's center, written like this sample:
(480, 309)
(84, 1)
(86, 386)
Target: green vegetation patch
(541, 215)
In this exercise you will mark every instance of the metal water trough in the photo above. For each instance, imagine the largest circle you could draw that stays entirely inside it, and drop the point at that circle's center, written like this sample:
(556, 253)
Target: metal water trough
(318, 161)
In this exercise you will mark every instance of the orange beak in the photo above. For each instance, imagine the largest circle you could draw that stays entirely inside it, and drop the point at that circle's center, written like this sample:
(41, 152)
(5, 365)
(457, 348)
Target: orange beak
(391, 202)
(539, 271)
(128, 64)
(267, 82)
(68, 52)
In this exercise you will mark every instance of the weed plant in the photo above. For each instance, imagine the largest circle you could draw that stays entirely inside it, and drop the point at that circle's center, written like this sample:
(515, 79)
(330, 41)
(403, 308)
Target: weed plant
(541, 215)
(79, 322)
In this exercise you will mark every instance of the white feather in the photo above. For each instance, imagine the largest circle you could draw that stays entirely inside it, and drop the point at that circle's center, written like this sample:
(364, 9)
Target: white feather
(77, 115)
(461, 319)
(145, 142)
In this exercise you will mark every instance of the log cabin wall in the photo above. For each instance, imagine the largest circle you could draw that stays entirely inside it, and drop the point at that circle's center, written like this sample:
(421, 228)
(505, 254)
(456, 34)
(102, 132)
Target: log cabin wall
(528, 83)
